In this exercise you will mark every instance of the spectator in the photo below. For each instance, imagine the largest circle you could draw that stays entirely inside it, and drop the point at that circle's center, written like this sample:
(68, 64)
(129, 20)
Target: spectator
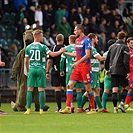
(59, 14)
(46, 18)
(48, 41)
(87, 13)
(21, 14)
(39, 15)
(86, 26)
(31, 14)
(64, 28)
(18, 3)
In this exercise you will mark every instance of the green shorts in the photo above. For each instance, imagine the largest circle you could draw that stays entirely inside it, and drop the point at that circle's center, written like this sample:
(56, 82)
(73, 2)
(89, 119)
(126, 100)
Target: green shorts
(107, 83)
(36, 77)
(77, 85)
(95, 80)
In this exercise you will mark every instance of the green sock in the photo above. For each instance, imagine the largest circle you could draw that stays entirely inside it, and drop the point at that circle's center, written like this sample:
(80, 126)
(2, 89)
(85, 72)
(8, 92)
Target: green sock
(84, 100)
(79, 99)
(29, 99)
(44, 97)
(98, 102)
(104, 99)
(119, 97)
(41, 99)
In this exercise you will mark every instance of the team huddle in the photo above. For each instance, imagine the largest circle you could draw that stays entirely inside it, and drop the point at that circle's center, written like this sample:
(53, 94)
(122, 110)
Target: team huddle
(82, 66)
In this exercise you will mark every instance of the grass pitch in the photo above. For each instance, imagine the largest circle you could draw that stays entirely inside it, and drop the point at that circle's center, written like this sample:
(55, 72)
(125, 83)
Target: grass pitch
(52, 122)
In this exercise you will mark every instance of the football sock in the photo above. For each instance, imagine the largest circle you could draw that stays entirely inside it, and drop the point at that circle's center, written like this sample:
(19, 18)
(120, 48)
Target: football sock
(114, 99)
(128, 98)
(123, 95)
(79, 99)
(91, 98)
(41, 99)
(98, 102)
(29, 98)
(104, 99)
(84, 100)
(119, 97)
(58, 99)
(69, 96)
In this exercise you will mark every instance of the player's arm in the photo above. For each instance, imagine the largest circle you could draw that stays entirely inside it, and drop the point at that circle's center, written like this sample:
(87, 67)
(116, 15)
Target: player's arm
(107, 61)
(126, 60)
(70, 54)
(100, 58)
(49, 64)
(62, 60)
(54, 54)
(87, 55)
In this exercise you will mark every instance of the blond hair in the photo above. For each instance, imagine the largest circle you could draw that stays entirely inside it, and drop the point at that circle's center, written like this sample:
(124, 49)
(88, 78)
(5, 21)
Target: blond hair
(59, 38)
(37, 32)
(72, 38)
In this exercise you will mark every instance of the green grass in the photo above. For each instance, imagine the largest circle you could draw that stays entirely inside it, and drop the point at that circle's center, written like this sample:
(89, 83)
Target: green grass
(52, 122)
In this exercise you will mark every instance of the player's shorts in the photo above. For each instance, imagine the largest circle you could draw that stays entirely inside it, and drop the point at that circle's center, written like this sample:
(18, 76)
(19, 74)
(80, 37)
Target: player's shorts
(57, 80)
(107, 83)
(95, 80)
(117, 80)
(81, 74)
(77, 85)
(36, 77)
(131, 80)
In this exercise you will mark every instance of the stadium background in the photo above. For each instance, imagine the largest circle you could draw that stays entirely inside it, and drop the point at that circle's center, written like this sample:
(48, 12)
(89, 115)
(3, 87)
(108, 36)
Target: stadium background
(102, 17)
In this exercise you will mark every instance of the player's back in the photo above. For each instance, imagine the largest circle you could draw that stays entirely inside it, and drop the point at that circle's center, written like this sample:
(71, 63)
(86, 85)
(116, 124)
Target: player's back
(36, 52)
(94, 61)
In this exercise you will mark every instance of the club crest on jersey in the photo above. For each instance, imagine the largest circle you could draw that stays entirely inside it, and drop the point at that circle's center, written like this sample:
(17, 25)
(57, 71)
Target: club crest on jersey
(82, 41)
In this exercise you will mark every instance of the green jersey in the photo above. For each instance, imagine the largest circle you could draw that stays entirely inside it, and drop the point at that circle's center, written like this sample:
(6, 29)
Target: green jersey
(95, 62)
(37, 55)
(69, 59)
(105, 54)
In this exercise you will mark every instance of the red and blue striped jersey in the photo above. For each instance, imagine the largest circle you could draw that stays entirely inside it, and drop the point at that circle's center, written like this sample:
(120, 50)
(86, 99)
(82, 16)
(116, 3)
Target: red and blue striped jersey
(81, 45)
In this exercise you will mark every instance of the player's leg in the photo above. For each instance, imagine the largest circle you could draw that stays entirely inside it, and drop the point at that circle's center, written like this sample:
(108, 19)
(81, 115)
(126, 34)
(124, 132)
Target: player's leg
(56, 83)
(91, 98)
(130, 92)
(129, 99)
(69, 97)
(41, 84)
(31, 81)
(79, 87)
(107, 89)
(114, 84)
(29, 99)
(124, 84)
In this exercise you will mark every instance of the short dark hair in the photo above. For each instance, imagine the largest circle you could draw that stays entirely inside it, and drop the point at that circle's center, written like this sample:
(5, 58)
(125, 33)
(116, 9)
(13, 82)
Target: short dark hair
(121, 35)
(129, 39)
(110, 42)
(80, 27)
(91, 35)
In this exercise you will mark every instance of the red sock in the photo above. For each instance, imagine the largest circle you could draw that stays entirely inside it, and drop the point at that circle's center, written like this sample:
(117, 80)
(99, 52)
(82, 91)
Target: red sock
(91, 99)
(128, 99)
(69, 96)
